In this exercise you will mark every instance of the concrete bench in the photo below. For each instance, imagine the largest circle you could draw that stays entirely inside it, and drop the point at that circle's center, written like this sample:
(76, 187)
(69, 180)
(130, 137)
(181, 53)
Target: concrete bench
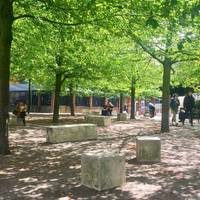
(93, 113)
(102, 171)
(71, 133)
(121, 117)
(148, 149)
(99, 120)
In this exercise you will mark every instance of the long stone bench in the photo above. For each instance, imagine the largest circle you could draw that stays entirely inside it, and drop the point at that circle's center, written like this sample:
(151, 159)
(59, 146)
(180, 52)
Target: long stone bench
(71, 133)
(99, 120)
(148, 149)
(102, 171)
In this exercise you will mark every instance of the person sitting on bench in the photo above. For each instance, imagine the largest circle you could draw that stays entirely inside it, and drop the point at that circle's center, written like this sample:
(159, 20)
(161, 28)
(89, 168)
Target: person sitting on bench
(107, 109)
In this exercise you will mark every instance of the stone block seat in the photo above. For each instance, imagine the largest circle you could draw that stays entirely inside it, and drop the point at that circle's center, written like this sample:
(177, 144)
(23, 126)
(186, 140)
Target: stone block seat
(71, 133)
(102, 170)
(121, 117)
(12, 120)
(99, 120)
(148, 149)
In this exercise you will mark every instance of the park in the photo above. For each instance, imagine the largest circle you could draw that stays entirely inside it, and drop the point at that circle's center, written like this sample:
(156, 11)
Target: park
(99, 99)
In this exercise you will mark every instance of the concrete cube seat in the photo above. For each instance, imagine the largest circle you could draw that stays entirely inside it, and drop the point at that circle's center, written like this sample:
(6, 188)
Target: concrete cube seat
(148, 149)
(102, 171)
(99, 120)
(121, 117)
(71, 133)
(12, 120)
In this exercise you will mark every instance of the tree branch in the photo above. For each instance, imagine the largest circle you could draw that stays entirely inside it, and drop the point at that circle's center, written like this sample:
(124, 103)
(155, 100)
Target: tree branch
(146, 49)
(186, 60)
(173, 70)
(47, 20)
(81, 74)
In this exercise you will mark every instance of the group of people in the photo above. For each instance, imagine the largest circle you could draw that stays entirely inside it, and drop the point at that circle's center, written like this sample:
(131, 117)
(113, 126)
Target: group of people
(185, 112)
(20, 112)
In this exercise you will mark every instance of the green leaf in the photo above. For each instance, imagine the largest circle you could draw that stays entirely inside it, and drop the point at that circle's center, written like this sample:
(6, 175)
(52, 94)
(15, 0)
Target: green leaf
(152, 22)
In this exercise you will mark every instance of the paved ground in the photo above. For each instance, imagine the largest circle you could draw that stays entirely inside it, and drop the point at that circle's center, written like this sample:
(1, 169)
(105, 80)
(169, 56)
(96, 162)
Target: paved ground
(36, 170)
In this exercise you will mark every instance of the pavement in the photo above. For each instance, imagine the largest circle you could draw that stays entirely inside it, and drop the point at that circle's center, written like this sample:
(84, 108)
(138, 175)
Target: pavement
(36, 170)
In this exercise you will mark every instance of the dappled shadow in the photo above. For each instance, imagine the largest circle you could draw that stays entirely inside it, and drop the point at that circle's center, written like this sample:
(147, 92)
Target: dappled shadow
(134, 161)
(47, 120)
(38, 170)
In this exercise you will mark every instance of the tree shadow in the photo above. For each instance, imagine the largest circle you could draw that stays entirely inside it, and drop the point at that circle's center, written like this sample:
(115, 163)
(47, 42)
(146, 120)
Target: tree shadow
(38, 170)
(134, 161)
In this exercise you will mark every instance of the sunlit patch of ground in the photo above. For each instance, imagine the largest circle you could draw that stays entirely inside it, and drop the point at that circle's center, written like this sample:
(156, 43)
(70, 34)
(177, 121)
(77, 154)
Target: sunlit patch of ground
(37, 170)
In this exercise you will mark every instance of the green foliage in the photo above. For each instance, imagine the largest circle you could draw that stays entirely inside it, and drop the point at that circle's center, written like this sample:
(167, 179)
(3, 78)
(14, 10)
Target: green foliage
(187, 75)
(93, 43)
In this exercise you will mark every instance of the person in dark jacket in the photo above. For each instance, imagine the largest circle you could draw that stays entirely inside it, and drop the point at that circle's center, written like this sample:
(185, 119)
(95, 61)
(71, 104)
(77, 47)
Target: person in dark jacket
(182, 116)
(189, 103)
(152, 109)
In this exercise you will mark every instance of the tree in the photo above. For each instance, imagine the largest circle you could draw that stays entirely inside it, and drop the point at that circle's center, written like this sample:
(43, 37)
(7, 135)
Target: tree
(63, 58)
(169, 40)
(45, 11)
(160, 28)
(128, 70)
(187, 75)
(6, 19)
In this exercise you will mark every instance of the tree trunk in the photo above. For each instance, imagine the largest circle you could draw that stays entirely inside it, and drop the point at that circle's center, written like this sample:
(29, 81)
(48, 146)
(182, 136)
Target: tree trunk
(52, 100)
(121, 103)
(72, 100)
(57, 97)
(6, 20)
(29, 96)
(39, 102)
(132, 99)
(165, 97)
(90, 100)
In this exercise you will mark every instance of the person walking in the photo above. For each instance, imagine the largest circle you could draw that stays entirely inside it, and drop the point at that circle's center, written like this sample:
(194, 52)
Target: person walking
(174, 105)
(182, 116)
(152, 109)
(189, 103)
